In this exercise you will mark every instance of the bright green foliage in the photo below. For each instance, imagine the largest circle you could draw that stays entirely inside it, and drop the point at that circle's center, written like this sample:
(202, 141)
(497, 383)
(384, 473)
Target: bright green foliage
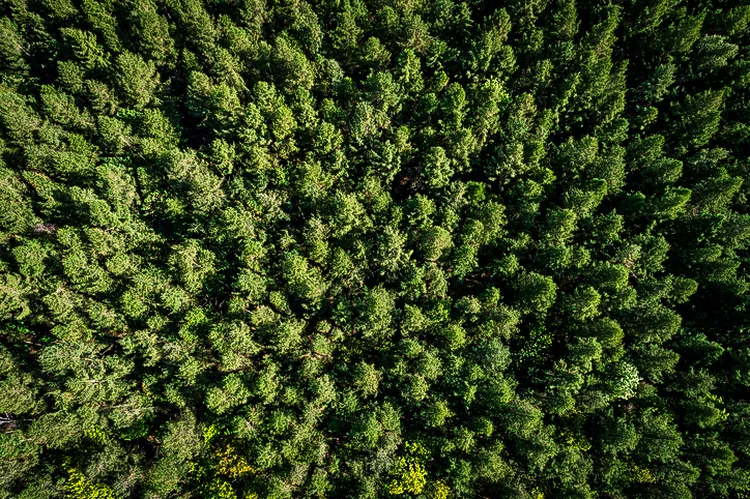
(137, 79)
(77, 486)
(437, 169)
(536, 293)
(374, 248)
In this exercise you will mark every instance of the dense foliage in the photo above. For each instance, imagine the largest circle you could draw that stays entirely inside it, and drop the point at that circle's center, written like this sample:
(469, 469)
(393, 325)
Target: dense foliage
(374, 248)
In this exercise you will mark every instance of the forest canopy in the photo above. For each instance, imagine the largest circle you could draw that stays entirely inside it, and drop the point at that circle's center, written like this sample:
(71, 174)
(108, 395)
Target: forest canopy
(422, 249)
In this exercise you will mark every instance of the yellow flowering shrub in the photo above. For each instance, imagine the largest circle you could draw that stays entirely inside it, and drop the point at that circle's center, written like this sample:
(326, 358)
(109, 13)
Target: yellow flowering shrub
(77, 486)
(576, 441)
(410, 473)
(221, 489)
(572, 433)
(641, 475)
(410, 478)
(96, 435)
(209, 433)
(439, 490)
(416, 451)
(231, 464)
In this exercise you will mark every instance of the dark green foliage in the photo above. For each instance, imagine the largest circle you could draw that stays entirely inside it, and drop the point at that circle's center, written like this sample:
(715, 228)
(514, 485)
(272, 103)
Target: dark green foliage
(427, 249)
